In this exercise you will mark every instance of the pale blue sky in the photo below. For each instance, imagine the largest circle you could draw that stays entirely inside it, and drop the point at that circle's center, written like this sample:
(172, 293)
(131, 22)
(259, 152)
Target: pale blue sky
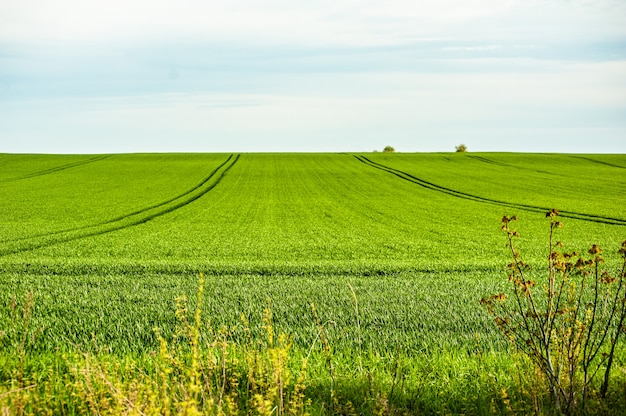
(243, 75)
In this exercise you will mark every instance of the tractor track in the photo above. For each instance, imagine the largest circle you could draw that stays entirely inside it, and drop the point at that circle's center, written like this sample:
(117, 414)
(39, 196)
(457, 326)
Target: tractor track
(128, 220)
(600, 162)
(125, 216)
(57, 168)
(508, 165)
(463, 195)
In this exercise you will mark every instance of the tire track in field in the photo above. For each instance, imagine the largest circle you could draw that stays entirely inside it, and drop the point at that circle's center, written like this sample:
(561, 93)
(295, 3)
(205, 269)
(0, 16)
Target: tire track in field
(136, 218)
(458, 194)
(129, 215)
(508, 165)
(57, 168)
(601, 162)
(484, 159)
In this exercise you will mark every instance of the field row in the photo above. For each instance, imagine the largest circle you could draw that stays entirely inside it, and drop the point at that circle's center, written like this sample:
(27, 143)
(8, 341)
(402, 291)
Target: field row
(418, 312)
(329, 211)
(393, 249)
(524, 207)
(126, 220)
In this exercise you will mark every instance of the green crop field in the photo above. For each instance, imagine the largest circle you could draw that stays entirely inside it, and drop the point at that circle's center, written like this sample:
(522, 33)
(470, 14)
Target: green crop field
(394, 250)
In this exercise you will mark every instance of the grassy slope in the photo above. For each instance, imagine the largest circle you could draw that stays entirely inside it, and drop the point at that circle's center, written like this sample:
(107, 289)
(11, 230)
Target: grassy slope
(40, 198)
(291, 227)
(591, 184)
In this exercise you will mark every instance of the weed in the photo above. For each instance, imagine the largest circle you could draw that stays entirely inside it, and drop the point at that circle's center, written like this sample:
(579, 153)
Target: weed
(570, 323)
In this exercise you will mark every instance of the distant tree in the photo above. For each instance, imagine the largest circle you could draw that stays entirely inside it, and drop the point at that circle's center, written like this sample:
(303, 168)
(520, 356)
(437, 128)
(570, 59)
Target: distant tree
(461, 148)
(389, 149)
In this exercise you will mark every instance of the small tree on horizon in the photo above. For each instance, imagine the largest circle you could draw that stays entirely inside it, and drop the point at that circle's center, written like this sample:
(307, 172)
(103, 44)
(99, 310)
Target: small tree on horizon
(461, 148)
(389, 149)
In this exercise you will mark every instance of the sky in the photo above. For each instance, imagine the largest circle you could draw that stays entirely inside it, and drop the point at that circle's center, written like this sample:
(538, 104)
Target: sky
(122, 76)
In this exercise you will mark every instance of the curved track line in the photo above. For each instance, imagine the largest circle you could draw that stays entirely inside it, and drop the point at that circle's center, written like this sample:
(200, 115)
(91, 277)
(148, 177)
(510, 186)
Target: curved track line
(601, 162)
(57, 168)
(125, 216)
(434, 187)
(160, 204)
(508, 165)
(128, 221)
(484, 159)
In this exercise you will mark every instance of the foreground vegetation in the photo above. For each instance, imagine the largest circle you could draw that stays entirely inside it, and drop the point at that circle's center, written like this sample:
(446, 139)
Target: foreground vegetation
(393, 250)
(201, 369)
(206, 370)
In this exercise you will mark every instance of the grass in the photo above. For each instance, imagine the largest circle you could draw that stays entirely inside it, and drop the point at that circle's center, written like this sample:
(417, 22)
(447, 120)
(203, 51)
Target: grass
(272, 212)
(209, 369)
(419, 312)
(107, 243)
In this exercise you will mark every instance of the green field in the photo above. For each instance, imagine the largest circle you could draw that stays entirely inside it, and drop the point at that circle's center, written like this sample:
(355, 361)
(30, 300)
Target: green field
(107, 242)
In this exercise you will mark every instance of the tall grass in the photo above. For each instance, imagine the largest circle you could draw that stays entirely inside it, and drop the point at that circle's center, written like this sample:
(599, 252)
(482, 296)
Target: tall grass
(394, 254)
(200, 370)
(203, 369)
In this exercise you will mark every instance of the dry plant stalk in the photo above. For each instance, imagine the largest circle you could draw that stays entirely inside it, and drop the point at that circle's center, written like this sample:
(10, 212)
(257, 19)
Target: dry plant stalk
(568, 324)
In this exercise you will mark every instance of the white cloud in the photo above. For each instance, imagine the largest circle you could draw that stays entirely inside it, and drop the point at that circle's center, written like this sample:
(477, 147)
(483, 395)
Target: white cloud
(314, 22)
(473, 48)
(350, 75)
(340, 112)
